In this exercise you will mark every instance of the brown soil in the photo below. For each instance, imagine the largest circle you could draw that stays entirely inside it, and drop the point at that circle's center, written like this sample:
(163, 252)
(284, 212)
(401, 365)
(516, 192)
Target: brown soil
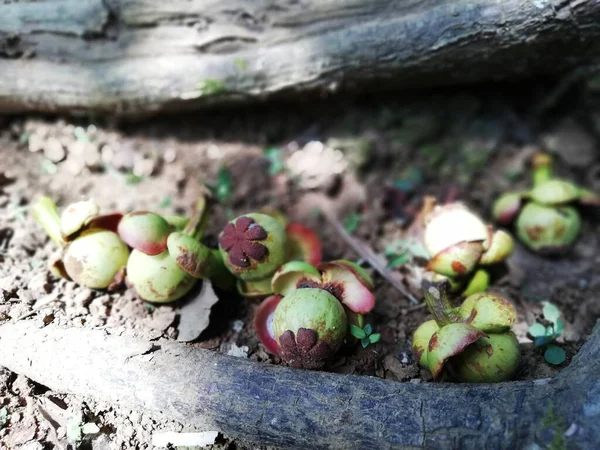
(468, 146)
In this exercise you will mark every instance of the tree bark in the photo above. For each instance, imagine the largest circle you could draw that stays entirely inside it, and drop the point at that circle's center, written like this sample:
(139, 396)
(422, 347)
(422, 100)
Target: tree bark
(133, 57)
(301, 409)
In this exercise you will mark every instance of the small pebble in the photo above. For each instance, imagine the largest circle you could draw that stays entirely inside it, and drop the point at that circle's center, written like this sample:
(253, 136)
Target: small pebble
(35, 143)
(54, 151)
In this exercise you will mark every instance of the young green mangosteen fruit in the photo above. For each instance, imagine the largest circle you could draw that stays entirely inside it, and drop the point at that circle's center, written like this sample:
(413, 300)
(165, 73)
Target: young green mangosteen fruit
(158, 278)
(421, 338)
(95, 257)
(309, 325)
(253, 246)
(488, 312)
(490, 359)
(548, 230)
(450, 340)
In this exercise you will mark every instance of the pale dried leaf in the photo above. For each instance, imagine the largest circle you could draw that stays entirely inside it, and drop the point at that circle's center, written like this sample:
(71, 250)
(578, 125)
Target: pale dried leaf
(195, 314)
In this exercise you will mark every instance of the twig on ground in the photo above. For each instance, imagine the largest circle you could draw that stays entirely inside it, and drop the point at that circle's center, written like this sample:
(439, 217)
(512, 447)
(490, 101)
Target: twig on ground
(367, 254)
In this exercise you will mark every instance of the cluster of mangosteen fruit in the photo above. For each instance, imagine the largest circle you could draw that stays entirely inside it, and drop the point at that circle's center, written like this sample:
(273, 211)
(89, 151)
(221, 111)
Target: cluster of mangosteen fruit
(308, 306)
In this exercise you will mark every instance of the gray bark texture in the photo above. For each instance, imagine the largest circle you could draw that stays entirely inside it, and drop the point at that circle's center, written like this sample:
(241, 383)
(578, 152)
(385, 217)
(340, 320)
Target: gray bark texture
(300, 409)
(137, 57)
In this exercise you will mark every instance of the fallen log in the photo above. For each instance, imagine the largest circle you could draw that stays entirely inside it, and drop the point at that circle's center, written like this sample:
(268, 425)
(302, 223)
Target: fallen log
(134, 57)
(301, 409)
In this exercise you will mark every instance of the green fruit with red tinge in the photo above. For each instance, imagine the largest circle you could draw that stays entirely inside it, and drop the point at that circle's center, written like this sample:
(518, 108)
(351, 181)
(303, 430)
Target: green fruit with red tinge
(95, 257)
(158, 278)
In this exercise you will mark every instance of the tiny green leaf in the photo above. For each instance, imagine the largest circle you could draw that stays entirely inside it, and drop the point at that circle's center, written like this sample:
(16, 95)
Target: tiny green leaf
(74, 433)
(165, 202)
(554, 355)
(398, 260)
(211, 87)
(241, 63)
(131, 178)
(224, 186)
(368, 329)
(551, 312)
(418, 250)
(81, 135)
(365, 342)
(559, 326)
(357, 332)
(537, 330)
(351, 222)
(273, 154)
(3, 417)
(374, 338)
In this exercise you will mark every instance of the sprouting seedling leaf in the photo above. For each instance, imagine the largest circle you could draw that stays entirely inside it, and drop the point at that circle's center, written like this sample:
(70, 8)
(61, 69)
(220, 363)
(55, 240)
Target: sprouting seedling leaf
(398, 260)
(357, 332)
(81, 135)
(403, 251)
(374, 338)
(537, 330)
(551, 312)
(131, 178)
(211, 87)
(48, 167)
(223, 189)
(273, 154)
(4, 416)
(554, 355)
(351, 222)
(559, 326)
(166, 202)
(365, 334)
(241, 63)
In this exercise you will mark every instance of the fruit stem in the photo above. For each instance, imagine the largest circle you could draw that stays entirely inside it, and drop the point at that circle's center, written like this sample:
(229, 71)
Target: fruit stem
(436, 298)
(45, 213)
(542, 168)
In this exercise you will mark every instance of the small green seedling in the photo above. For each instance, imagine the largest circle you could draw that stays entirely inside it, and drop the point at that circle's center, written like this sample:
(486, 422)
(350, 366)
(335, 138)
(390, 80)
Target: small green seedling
(545, 335)
(4, 416)
(403, 251)
(273, 154)
(76, 430)
(211, 87)
(223, 188)
(365, 334)
(351, 222)
(166, 202)
(132, 179)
